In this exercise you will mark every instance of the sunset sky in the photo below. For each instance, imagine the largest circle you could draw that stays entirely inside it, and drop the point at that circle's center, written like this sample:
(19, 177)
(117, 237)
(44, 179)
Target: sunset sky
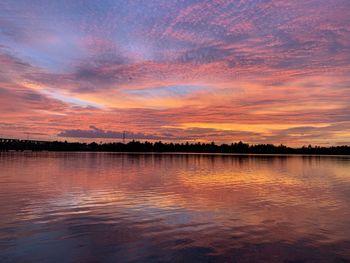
(260, 71)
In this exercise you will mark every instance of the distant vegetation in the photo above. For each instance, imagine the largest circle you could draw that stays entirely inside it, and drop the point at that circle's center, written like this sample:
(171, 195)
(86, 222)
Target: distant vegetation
(136, 146)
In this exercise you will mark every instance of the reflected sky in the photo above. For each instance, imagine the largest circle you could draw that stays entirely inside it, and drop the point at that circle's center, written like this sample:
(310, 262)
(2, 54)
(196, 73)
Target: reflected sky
(107, 207)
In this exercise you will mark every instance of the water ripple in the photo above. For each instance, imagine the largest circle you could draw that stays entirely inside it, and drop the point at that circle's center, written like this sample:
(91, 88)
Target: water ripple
(130, 208)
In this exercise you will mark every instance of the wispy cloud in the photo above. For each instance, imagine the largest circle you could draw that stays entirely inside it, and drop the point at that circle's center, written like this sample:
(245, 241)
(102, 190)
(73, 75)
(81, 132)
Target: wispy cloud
(154, 67)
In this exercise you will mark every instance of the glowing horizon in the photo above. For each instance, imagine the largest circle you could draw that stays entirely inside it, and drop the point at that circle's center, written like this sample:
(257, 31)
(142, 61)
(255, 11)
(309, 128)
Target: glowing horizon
(235, 70)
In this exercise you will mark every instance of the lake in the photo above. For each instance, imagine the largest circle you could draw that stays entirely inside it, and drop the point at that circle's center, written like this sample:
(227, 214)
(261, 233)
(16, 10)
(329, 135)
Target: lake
(113, 207)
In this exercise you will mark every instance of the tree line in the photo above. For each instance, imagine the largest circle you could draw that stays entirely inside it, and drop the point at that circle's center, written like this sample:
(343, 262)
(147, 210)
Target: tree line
(137, 146)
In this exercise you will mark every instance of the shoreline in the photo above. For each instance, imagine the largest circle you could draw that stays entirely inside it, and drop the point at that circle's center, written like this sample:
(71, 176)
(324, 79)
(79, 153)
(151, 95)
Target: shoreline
(185, 153)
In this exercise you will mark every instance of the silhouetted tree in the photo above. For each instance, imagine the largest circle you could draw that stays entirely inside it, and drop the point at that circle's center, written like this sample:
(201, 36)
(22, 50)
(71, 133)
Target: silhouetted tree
(136, 146)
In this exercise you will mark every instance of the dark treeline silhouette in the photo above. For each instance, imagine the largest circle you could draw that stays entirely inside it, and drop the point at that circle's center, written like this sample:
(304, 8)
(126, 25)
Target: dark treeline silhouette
(136, 146)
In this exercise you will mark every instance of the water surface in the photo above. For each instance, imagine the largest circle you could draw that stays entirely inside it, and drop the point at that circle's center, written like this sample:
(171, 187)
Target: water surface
(110, 207)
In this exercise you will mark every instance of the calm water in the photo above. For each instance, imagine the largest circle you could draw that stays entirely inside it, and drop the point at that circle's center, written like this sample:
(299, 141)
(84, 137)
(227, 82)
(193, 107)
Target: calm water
(102, 207)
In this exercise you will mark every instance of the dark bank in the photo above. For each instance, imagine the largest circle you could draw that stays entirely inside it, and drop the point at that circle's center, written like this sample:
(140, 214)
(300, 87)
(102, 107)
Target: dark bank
(137, 146)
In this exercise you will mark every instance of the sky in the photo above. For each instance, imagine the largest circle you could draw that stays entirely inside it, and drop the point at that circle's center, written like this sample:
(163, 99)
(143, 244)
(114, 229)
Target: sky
(260, 71)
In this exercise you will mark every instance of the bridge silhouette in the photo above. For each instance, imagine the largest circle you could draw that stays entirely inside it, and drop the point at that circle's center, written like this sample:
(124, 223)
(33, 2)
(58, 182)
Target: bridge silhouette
(9, 140)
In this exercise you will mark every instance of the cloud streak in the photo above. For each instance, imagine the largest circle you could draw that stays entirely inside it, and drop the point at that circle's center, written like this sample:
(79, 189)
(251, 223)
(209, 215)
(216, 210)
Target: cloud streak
(96, 133)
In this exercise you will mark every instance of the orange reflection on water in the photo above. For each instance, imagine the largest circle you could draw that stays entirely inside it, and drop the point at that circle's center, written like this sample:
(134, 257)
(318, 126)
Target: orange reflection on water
(175, 202)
